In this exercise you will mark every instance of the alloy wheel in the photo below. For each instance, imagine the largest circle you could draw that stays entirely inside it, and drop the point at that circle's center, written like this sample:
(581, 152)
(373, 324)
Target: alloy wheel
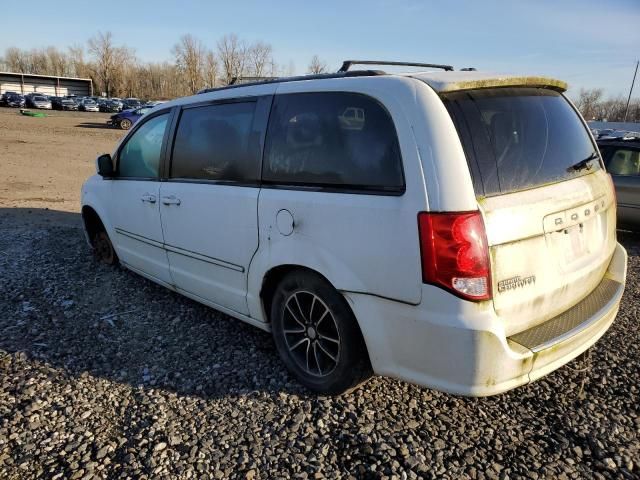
(311, 333)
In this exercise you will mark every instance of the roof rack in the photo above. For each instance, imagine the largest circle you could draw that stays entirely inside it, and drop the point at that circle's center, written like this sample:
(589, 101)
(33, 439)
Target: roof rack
(347, 64)
(319, 76)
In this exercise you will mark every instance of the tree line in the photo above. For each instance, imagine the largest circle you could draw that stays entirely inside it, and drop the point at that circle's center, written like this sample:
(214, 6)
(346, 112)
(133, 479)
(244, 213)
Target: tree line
(116, 70)
(594, 106)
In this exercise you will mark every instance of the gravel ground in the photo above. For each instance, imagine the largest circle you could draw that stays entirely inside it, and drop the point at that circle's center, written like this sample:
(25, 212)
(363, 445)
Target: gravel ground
(103, 374)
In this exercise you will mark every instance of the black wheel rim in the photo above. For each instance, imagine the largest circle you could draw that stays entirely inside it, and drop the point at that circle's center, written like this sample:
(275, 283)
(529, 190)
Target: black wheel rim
(311, 333)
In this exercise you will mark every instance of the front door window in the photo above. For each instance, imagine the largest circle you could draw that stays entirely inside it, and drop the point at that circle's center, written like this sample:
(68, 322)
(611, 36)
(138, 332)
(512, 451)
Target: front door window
(140, 156)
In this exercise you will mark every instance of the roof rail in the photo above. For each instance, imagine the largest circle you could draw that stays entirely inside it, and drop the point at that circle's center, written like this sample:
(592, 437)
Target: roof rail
(347, 64)
(319, 76)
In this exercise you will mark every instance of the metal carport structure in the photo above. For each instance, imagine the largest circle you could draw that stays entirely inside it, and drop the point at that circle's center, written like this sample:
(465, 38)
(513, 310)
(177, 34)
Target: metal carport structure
(24, 83)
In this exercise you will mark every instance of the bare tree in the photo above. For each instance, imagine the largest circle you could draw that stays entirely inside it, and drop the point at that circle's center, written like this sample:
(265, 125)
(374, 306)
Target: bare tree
(16, 60)
(233, 55)
(259, 57)
(77, 63)
(189, 53)
(317, 66)
(58, 63)
(588, 101)
(39, 62)
(110, 61)
(210, 69)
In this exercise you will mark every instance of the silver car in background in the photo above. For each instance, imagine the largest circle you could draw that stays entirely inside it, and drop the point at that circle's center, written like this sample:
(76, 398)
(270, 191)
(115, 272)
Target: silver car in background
(39, 101)
(88, 105)
(622, 158)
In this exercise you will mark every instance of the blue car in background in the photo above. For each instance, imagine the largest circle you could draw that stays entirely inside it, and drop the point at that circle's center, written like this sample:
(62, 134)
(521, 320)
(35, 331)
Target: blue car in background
(126, 118)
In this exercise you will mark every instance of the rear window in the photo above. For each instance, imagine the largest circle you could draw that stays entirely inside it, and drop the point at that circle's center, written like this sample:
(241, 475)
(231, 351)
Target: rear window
(335, 140)
(519, 138)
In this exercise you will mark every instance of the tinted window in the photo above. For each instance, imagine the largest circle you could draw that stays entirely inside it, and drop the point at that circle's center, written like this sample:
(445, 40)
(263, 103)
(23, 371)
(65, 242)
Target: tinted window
(624, 162)
(519, 138)
(332, 139)
(215, 142)
(140, 156)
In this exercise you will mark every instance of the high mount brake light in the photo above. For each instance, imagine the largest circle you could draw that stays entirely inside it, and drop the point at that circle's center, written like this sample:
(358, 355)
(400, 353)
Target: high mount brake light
(454, 252)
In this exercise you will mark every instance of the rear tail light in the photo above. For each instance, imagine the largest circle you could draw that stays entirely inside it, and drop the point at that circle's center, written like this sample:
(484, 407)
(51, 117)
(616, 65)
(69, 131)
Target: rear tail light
(455, 255)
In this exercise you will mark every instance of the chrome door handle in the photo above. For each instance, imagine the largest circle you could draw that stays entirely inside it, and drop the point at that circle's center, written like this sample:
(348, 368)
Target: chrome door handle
(171, 200)
(148, 198)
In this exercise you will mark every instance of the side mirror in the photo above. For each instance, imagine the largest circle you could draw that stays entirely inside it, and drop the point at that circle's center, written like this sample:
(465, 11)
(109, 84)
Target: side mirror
(104, 165)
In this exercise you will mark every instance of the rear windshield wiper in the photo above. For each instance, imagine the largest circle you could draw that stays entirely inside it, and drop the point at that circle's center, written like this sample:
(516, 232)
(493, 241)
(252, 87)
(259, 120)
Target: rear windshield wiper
(584, 164)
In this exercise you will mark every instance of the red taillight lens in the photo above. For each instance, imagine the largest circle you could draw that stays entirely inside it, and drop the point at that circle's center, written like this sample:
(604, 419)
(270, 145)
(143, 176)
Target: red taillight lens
(455, 254)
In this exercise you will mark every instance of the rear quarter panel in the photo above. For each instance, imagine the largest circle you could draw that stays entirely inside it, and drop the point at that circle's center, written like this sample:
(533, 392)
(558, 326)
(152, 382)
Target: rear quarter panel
(359, 242)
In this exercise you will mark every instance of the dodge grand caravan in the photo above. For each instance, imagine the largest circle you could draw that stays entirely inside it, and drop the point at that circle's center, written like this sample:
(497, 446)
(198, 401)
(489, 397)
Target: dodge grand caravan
(454, 229)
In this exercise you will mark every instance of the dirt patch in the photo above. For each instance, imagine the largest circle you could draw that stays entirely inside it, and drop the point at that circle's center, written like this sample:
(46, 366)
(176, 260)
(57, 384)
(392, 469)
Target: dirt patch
(46, 160)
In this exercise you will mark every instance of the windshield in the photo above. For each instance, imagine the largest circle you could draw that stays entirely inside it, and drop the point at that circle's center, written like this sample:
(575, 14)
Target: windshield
(520, 138)
(40, 99)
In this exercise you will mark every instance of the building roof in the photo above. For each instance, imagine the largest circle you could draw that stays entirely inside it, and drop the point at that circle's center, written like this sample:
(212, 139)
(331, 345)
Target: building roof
(45, 76)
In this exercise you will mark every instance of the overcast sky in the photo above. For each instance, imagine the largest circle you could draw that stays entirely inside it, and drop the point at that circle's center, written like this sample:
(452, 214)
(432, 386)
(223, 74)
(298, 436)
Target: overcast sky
(588, 43)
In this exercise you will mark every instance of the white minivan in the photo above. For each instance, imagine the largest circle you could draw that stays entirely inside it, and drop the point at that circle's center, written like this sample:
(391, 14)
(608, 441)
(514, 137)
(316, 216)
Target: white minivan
(454, 229)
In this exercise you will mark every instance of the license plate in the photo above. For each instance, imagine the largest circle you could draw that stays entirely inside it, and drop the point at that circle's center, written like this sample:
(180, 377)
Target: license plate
(577, 242)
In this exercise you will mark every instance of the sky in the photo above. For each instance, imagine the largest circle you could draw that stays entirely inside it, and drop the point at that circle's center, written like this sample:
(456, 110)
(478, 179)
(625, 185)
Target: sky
(588, 43)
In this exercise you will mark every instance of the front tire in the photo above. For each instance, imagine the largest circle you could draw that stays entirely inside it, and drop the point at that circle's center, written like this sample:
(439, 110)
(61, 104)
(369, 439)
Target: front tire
(103, 249)
(125, 124)
(317, 335)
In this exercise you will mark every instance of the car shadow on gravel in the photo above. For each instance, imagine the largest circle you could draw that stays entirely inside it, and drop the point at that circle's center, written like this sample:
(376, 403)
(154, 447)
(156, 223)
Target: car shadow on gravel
(63, 309)
(103, 125)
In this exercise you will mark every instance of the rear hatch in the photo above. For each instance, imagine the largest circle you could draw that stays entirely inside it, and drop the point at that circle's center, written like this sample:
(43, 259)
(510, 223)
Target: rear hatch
(548, 205)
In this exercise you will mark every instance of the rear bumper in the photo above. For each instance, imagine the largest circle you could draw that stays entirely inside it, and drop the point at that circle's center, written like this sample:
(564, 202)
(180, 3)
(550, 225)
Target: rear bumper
(460, 347)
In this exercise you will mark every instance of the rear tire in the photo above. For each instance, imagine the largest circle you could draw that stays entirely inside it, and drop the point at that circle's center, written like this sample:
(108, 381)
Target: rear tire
(103, 249)
(317, 335)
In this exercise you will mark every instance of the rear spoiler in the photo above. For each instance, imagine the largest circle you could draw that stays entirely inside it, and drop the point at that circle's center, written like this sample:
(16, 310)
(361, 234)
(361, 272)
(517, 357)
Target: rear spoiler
(497, 82)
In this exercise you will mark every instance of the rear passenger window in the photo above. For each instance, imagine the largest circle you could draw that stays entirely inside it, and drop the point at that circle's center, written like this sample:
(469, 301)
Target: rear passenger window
(336, 140)
(215, 142)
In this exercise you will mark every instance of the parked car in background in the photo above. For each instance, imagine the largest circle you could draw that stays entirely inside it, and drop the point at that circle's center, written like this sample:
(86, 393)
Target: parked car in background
(55, 102)
(29, 99)
(622, 158)
(68, 104)
(3, 97)
(454, 229)
(14, 100)
(127, 118)
(88, 105)
(40, 101)
(110, 106)
(130, 103)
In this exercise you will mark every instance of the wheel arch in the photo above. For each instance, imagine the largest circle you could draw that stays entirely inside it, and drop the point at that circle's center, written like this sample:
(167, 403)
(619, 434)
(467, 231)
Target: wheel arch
(274, 276)
(92, 222)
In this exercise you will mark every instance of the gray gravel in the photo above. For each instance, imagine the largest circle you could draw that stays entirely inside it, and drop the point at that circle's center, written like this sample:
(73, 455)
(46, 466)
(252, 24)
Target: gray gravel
(103, 374)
